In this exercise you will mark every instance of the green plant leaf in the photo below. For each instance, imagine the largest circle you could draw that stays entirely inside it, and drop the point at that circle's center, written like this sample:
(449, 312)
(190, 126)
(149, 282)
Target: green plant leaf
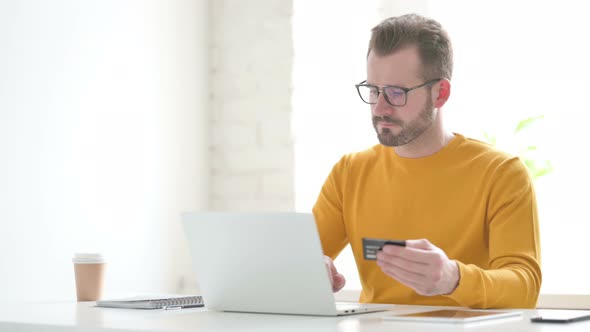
(491, 139)
(538, 168)
(526, 123)
(527, 153)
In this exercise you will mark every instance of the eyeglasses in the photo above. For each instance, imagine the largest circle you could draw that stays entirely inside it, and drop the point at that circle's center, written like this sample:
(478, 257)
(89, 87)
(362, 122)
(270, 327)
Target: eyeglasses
(394, 95)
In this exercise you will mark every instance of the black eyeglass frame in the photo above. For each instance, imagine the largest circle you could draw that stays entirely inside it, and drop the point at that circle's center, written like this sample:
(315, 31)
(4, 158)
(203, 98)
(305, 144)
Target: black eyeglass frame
(380, 90)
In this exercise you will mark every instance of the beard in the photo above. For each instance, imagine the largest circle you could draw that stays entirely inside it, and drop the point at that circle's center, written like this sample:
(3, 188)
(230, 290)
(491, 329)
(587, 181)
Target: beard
(409, 131)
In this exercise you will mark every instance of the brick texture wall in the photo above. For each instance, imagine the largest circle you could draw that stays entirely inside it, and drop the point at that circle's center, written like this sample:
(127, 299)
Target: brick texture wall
(251, 145)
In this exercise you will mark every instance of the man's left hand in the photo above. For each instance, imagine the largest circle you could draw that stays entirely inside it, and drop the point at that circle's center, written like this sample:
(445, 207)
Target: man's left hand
(421, 266)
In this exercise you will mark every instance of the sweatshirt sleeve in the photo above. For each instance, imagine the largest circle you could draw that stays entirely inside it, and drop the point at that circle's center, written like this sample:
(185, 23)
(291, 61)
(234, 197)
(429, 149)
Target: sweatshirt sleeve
(513, 279)
(328, 211)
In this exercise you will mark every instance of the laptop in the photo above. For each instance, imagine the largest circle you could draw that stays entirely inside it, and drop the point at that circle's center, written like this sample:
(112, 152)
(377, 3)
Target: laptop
(263, 263)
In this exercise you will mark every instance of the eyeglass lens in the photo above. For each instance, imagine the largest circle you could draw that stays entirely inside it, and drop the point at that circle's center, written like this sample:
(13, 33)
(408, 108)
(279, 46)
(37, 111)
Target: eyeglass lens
(394, 95)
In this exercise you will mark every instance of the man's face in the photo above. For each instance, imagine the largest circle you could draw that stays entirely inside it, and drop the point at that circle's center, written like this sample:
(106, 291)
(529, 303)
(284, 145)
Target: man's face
(399, 125)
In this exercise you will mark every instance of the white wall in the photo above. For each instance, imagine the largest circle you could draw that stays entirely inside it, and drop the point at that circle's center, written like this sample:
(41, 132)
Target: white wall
(103, 140)
(251, 52)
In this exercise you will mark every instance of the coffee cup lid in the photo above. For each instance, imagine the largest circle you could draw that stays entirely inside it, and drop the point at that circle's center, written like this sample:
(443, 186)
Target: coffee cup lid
(87, 258)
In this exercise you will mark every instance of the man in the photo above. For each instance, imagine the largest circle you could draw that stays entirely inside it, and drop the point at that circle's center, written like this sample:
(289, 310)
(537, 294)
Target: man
(467, 211)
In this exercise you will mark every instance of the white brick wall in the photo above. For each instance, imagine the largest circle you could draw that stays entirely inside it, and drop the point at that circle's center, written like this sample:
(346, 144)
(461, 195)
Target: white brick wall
(251, 151)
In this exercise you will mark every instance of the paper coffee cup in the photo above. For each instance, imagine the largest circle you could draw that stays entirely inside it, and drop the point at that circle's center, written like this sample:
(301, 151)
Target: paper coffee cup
(89, 271)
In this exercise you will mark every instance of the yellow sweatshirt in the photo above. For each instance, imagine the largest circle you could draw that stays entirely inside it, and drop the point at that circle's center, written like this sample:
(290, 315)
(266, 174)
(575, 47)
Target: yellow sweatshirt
(472, 201)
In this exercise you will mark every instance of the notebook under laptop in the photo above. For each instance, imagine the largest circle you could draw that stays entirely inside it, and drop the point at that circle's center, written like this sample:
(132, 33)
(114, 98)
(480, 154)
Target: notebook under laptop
(263, 262)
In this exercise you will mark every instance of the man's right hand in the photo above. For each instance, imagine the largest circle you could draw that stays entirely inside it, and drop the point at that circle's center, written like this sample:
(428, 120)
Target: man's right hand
(336, 279)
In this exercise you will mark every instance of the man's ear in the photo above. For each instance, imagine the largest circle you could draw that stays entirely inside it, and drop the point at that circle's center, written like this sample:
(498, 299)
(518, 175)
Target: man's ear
(444, 92)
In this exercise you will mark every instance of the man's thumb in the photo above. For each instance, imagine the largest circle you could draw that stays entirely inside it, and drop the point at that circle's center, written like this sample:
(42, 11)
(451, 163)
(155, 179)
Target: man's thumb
(338, 283)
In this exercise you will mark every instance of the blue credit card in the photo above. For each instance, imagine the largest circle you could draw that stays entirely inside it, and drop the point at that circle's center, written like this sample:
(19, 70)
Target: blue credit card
(372, 246)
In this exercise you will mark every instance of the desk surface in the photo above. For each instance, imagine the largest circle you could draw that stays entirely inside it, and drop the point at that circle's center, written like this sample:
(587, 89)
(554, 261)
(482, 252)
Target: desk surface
(71, 316)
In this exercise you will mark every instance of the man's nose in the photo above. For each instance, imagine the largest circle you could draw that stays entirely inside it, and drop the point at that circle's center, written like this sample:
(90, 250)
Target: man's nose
(382, 107)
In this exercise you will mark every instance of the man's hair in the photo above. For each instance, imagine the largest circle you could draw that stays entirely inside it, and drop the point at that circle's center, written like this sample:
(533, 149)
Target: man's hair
(433, 42)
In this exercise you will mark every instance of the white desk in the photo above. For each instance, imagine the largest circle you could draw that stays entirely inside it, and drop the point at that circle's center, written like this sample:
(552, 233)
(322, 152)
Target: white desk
(71, 316)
